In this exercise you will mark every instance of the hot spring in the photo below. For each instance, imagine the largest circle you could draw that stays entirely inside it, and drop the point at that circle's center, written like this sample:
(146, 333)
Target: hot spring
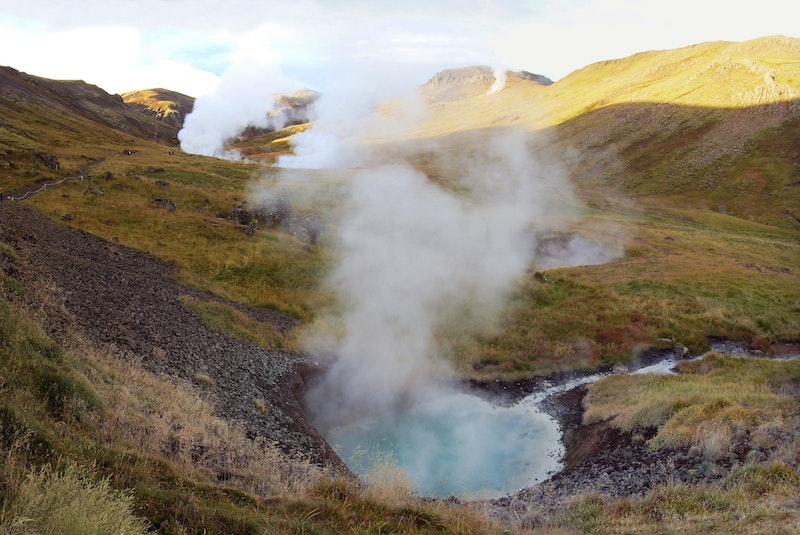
(455, 444)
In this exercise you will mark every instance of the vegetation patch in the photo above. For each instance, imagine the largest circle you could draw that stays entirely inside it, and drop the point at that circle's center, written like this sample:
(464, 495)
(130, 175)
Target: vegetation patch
(234, 323)
(727, 408)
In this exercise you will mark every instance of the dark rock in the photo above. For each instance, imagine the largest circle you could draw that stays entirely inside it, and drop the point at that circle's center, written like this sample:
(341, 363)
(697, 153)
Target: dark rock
(165, 203)
(251, 228)
(273, 211)
(241, 213)
(48, 159)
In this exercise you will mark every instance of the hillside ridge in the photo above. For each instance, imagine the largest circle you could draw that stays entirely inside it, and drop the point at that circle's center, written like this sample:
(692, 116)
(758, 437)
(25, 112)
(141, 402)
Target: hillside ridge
(21, 90)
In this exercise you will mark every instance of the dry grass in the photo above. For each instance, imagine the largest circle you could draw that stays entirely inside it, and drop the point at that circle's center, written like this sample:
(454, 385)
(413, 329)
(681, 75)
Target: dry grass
(718, 405)
(754, 499)
(168, 418)
(186, 470)
(68, 502)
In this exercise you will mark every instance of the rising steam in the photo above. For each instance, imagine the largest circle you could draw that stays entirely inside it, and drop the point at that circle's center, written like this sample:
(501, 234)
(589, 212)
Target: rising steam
(243, 97)
(499, 81)
(414, 254)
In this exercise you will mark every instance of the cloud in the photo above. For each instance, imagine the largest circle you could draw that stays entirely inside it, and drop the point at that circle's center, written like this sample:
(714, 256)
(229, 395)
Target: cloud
(551, 37)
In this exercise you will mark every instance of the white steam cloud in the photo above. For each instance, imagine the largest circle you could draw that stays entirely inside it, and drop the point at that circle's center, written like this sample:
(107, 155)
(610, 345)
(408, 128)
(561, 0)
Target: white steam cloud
(499, 81)
(244, 96)
(419, 257)
(414, 254)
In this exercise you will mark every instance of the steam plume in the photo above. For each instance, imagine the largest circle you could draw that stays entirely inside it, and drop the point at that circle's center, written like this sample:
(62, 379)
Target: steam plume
(243, 97)
(413, 254)
(499, 81)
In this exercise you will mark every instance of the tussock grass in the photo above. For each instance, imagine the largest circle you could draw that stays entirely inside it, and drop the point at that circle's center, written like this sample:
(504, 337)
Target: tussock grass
(717, 404)
(127, 449)
(69, 501)
(754, 499)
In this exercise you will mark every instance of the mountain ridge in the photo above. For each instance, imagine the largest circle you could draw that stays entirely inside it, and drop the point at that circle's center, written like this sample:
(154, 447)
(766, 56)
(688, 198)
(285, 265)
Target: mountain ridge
(21, 90)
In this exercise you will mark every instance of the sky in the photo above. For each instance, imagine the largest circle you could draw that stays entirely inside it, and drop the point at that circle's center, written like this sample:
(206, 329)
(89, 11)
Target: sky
(192, 45)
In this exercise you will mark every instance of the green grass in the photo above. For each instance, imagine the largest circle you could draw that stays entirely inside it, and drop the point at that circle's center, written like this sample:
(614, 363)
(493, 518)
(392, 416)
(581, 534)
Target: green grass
(686, 275)
(271, 269)
(230, 321)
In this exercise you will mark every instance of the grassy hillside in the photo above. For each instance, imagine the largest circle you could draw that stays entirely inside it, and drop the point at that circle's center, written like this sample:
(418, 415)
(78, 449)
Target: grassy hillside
(685, 160)
(168, 106)
(701, 199)
(93, 444)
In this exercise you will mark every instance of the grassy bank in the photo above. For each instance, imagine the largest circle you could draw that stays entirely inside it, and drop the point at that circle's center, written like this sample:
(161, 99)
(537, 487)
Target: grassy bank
(92, 444)
(739, 416)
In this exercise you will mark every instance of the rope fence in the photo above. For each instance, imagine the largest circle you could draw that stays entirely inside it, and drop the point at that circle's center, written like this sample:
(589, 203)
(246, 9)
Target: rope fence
(44, 187)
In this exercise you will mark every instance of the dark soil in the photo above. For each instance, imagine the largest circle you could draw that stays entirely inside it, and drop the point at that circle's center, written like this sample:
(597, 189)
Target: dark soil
(601, 459)
(125, 301)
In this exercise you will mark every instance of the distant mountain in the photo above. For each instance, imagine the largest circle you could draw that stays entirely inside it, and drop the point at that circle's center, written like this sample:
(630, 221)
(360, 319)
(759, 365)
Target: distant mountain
(25, 93)
(467, 82)
(168, 106)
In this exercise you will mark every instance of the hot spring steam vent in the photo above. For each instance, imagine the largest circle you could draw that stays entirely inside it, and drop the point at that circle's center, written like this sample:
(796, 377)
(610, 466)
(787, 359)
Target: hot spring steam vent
(417, 260)
(451, 443)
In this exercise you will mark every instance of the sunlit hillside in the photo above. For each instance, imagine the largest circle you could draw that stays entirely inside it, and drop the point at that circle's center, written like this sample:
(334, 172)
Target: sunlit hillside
(710, 126)
(168, 106)
(717, 74)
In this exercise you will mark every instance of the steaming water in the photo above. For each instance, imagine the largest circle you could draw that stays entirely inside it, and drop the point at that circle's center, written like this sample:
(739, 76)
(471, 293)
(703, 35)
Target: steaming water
(456, 444)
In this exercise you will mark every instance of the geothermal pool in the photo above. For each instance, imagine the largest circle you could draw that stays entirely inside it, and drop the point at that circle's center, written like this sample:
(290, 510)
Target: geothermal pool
(456, 444)
(451, 443)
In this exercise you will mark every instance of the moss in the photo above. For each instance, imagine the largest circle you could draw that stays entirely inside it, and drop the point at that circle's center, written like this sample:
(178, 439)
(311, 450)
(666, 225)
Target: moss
(14, 287)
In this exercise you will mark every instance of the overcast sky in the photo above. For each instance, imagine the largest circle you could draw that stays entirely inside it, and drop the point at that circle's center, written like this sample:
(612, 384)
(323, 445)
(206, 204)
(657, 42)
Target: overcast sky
(188, 45)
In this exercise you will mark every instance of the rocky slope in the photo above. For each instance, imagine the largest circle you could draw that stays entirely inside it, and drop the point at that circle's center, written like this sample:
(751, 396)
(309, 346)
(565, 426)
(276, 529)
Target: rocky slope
(125, 301)
(23, 92)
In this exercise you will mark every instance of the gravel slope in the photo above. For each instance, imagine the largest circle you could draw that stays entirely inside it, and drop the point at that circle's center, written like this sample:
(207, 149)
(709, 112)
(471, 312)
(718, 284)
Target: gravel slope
(126, 301)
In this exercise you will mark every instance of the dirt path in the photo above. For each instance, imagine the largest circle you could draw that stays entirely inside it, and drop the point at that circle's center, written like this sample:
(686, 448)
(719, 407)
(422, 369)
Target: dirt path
(126, 301)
